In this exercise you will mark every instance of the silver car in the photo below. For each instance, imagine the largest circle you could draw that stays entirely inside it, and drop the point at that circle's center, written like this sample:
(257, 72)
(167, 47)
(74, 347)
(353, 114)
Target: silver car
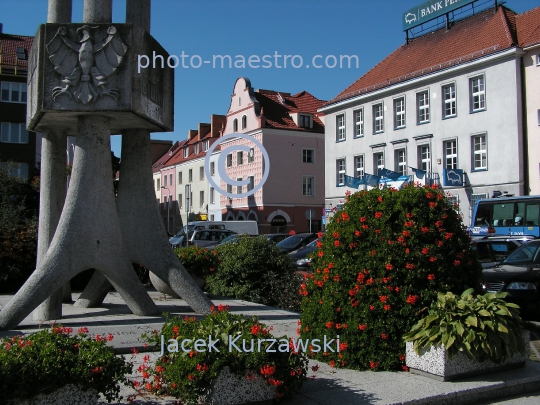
(205, 237)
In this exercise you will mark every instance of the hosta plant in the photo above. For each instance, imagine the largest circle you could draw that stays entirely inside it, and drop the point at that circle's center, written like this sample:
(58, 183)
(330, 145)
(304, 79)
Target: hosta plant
(45, 361)
(484, 327)
(383, 258)
(187, 368)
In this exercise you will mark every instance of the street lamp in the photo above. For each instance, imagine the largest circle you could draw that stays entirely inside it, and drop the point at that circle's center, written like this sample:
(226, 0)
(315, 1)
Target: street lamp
(168, 207)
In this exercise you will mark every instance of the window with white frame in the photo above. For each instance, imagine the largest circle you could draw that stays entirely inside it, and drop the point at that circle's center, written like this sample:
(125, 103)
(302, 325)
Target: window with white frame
(453, 200)
(235, 125)
(422, 107)
(179, 177)
(190, 175)
(244, 122)
(358, 123)
(158, 186)
(12, 92)
(212, 217)
(205, 146)
(478, 93)
(13, 132)
(308, 155)
(15, 169)
(538, 59)
(450, 154)
(229, 160)
(196, 149)
(251, 155)
(185, 152)
(251, 183)
(378, 118)
(180, 200)
(212, 168)
(229, 188)
(378, 162)
(201, 173)
(424, 158)
(479, 147)
(449, 101)
(165, 181)
(401, 161)
(359, 168)
(201, 198)
(212, 195)
(170, 179)
(399, 113)
(239, 158)
(538, 113)
(340, 172)
(304, 121)
(308, 186)
(239, 188)
(340, 127)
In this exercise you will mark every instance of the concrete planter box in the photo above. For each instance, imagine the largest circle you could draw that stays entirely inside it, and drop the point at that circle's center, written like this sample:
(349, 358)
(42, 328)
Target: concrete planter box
(67, 395)
(231, 389)
(433, 362)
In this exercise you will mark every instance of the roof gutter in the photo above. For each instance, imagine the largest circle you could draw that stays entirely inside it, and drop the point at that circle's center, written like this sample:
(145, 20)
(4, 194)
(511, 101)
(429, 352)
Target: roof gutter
(479, 61)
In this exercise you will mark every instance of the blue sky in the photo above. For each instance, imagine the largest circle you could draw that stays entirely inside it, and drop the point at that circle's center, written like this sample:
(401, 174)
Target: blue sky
(368, 29)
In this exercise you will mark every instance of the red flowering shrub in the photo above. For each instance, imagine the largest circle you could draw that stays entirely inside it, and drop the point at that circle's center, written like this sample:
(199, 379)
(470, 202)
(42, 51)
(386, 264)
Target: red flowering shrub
(396, 250)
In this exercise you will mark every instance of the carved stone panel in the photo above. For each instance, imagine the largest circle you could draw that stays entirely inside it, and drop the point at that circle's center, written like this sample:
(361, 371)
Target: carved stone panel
(79, 69)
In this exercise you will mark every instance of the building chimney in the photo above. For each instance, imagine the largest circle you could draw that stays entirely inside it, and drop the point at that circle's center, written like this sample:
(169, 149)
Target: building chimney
(1, 28)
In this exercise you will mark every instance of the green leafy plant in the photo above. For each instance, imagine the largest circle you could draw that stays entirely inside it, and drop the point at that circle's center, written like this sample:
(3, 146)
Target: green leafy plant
(384, 256)
(45, 361)
(484, 327)
(198, 261)
(255, 270)
(188, 373)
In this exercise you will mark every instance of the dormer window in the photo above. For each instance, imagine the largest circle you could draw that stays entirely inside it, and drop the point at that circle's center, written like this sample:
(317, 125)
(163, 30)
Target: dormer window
(304, 121)
(205, 146)
(185, 152)
(197, 149)
(21, 53)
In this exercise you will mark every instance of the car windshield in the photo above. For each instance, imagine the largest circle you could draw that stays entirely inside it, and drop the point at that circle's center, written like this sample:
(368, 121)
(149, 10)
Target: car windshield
(290, 242)
(314, 243)
(528, 253)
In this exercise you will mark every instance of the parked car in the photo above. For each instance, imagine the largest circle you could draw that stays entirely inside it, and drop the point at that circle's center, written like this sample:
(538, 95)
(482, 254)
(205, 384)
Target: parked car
(494, 249)
(205, 237)
(297, 241)
(299, 256)
(276, 237)
(229, 239)
(249, 227)
(518, 274)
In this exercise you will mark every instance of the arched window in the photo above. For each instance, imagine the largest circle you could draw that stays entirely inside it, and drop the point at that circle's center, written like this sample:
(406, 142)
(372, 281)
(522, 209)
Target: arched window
(235, 125)
(244, 122)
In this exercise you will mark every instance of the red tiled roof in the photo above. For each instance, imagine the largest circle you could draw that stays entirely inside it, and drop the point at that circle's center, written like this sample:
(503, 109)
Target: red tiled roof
(8, 46)
(163, 160)
(528, 27)
(178, 157)
(276, 114)
(485, 33)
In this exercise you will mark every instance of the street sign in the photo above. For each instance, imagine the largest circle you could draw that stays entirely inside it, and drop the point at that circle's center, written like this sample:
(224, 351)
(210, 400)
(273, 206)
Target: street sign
(328, 210)
(310, 214)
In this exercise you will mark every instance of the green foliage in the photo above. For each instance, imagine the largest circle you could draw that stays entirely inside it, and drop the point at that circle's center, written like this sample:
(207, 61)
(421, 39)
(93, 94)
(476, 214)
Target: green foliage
(383, 258)
(188, 374)
(484, 327)
(255, 270)
(18, 231)
(45, 361)
(198, 261)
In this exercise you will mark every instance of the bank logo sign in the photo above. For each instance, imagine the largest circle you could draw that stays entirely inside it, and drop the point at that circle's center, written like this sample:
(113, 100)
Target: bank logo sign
(430, 10)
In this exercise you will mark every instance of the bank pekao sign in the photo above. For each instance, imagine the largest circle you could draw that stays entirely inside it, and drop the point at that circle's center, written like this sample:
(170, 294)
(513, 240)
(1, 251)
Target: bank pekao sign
(430, 10)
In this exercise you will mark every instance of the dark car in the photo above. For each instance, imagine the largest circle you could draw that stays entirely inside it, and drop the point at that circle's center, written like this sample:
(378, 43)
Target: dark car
(518, 274)
(229, 239)
(297, 241)
(276, 237)
(492, 250)
(300, 257)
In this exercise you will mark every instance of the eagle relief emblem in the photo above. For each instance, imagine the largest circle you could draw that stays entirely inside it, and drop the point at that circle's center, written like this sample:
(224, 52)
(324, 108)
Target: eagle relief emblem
(86, 66)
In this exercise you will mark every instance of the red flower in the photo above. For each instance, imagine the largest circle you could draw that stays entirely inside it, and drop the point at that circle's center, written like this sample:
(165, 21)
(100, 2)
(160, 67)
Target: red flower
(457, 262)
(383, 298)
(425, 251)
(320, 253)
(438, 224)
(408, 224)
(330, 265)
(372, 253)
(410, 266)
(362, 219)
(315, 368)
(347, 192)
(409, 215)
(362, 327)
(159, 369)
(357, 233)
(432, 259)
(389, 266)
(320, 234)
(373, 364)
(255, 329)
(336, 277)
(337, 243)
(329, 325)
(407, 251)
(448, 235)
(387, 307)
(429, 195)
(425, 229)
(402, 357)
(431, 277)
(384, 336)
(396, 289)
(344, 216)
(267, 370)
(342, 346)
(411, 299)
(335, 235)
(371, 308)
(405, 368)
(332, 363)
(406, 233)
(200, 367)
(378, 214)
(432, 204)
(83, 330)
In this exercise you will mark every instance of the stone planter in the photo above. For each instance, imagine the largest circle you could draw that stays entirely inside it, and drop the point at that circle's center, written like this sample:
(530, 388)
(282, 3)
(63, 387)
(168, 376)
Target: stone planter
(163, 288)
(433, 362)
(231, 389)
(68, 395)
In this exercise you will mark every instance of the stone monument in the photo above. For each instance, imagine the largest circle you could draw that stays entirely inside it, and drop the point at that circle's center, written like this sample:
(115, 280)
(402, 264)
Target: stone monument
(83, 80)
